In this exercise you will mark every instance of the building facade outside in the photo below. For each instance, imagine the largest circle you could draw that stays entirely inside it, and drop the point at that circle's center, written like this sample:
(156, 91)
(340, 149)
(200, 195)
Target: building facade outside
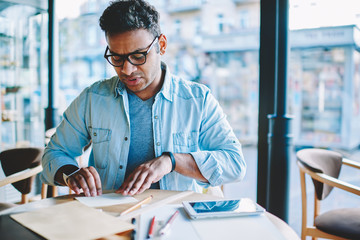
(217, 43)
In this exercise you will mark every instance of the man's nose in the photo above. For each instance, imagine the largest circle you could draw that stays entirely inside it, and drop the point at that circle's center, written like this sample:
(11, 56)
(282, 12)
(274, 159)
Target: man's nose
(128, 68)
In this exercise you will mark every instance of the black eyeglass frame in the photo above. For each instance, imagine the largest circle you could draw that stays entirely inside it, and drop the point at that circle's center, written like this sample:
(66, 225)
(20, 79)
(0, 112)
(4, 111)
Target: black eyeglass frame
(126, 56)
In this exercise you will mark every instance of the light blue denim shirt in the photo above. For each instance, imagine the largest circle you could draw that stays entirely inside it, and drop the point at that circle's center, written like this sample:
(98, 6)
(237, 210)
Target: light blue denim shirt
(186, 119)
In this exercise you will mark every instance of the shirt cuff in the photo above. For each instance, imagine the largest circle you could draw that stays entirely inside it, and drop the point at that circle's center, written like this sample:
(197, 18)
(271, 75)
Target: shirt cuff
(208, 167)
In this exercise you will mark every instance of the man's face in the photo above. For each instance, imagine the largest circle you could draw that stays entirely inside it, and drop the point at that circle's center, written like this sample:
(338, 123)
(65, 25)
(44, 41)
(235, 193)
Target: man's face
(144, 80)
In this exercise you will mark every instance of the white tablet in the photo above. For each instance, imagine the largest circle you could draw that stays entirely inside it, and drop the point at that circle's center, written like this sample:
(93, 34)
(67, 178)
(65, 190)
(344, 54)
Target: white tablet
(222, 208)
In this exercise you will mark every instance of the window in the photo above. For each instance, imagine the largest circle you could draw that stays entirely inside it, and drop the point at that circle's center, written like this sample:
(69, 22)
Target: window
(220, 18)
(244, 19)
(177, 27)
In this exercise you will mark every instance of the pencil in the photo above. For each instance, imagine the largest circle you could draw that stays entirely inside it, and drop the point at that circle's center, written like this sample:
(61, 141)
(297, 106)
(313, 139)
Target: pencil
(151, 228)
(136, 206)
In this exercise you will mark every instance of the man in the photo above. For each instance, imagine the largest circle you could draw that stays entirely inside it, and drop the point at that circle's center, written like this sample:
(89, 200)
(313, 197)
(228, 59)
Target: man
(148, 128)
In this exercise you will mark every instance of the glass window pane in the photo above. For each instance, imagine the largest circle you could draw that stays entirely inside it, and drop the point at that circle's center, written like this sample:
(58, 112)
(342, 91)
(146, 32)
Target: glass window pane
(21, 71)
(324, 87)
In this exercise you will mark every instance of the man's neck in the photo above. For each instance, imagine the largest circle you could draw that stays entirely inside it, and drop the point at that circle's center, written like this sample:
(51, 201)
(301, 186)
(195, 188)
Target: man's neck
(152, 90)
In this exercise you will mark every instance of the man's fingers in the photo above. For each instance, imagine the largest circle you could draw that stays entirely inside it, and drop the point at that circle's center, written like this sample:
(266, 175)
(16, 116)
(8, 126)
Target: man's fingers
(90, 181)
(146, 185)
(138, 183)
(129, 182)
(143, 182)
(97, 180)
(73, 185)
(83, 184)
(142, 177)
(86, 179)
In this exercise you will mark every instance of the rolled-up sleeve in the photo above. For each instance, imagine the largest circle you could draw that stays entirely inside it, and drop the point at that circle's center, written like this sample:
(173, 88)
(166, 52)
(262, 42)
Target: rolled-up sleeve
(68, 141)
(220, 158)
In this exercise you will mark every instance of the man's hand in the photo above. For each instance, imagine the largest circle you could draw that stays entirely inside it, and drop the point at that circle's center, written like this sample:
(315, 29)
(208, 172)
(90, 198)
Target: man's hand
(86, 179)
(146, 174)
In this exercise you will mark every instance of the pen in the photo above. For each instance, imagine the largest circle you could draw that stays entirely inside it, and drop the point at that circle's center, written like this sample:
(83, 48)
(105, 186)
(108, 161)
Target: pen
(167, 226)
(136, 206)
(151, 228)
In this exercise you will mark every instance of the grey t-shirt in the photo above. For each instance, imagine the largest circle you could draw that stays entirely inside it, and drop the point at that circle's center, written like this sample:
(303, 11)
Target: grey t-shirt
(141, 140)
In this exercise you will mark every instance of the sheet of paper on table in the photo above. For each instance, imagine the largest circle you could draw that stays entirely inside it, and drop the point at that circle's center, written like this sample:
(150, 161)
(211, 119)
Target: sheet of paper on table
(108, 199)
(181, 228)
(245, 227)
(72, 220)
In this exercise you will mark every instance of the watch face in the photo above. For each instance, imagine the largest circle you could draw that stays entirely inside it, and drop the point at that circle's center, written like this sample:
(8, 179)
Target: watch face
(66, 177)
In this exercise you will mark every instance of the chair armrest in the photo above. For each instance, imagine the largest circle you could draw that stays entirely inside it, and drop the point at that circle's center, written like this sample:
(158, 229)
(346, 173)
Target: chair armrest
(334, 182)
(351, 163)
(20, 175)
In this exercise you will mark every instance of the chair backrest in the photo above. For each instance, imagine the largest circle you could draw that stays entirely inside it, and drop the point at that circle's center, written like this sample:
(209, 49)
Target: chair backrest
(18, 159)
(321, 161)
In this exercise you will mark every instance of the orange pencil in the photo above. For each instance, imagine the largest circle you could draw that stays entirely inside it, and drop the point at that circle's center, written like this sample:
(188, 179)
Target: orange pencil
(151, 229)
(136, 206)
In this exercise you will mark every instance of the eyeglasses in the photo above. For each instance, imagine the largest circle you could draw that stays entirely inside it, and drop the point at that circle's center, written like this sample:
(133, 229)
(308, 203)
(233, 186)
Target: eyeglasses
(135, 58)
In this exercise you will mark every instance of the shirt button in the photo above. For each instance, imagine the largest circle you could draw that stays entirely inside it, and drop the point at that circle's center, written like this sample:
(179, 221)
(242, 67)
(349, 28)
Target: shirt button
(157, 144)
(156, 117)
(95, 134)
(121, 167)
(126, 138)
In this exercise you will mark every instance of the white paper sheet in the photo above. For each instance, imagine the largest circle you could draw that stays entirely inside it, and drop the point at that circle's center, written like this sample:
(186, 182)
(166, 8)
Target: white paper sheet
(247, 227)
(107, 199)
(180, 229)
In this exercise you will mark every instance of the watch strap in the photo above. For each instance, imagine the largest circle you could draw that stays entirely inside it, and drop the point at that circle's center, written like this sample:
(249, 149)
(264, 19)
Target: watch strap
(66, 177)
(173, 162)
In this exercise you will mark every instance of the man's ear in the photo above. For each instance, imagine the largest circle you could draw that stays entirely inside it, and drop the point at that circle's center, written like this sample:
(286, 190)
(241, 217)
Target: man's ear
(162, 44)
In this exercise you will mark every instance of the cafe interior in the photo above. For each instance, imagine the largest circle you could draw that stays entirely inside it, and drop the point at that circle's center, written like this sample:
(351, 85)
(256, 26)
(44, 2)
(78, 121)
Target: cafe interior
(293, 102)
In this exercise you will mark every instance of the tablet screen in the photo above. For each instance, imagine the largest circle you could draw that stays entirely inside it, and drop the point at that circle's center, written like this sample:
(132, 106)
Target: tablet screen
(240, 205)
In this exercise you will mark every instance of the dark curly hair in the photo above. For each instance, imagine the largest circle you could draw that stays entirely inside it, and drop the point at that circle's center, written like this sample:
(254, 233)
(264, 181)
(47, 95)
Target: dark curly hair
(127, 15)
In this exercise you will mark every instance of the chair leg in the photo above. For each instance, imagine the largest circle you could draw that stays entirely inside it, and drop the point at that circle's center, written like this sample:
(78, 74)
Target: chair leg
(44, 188)
(24, 198)
(303, 236)
(54, 191)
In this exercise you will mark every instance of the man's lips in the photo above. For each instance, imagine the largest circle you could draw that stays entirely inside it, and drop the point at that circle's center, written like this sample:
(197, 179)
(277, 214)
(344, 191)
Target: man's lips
(132, 80)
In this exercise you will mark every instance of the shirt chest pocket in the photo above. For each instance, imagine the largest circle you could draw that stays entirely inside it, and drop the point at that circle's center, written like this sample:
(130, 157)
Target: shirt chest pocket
(185, 142)
(100, 138)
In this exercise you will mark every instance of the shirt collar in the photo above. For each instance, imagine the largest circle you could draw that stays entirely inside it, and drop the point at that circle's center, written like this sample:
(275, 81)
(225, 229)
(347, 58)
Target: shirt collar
(167, 87)
(119, 88)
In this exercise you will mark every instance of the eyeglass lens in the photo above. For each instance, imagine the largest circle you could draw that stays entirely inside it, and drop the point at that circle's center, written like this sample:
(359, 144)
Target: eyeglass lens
(137, 58)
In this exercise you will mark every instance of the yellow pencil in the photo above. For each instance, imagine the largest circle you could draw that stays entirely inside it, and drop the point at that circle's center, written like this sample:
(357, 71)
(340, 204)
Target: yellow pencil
(138, 205)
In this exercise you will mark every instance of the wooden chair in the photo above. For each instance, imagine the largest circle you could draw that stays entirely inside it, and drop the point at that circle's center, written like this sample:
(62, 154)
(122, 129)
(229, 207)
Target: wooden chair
(324, 166)
(20, 166)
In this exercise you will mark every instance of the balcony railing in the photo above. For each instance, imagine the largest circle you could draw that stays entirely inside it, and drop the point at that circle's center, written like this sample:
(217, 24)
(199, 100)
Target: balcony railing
(184, 6)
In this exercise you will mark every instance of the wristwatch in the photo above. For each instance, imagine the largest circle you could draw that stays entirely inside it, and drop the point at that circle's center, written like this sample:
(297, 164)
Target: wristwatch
(66, 177)
(173, 162)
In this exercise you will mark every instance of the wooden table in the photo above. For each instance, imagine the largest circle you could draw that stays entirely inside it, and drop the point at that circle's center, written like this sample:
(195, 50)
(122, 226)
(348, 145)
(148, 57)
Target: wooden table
(9, 229)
